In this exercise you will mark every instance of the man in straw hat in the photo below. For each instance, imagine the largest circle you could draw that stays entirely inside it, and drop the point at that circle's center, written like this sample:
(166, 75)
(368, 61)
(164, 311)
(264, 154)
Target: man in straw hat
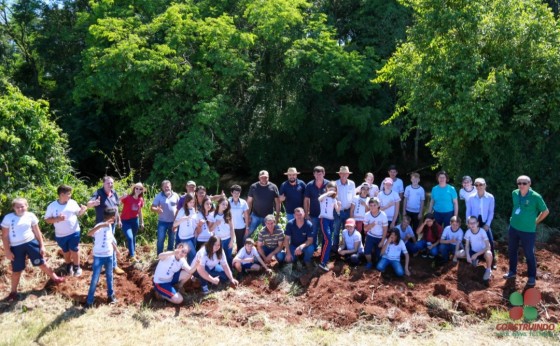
(345, 193)
(292, 192)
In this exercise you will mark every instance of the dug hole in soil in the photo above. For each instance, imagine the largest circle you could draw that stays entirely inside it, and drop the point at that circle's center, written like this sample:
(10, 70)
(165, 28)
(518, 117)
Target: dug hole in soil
(339, 298)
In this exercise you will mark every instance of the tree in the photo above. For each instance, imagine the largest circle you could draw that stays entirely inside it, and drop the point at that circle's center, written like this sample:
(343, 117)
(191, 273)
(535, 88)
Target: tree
(482, 78)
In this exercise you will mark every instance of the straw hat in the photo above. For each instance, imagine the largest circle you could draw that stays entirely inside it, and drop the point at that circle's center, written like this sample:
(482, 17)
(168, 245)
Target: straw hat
(291, 170)
(344, 169)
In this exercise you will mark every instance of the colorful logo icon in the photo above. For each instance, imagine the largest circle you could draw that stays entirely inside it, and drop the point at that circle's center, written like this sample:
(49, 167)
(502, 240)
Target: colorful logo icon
(525, 306)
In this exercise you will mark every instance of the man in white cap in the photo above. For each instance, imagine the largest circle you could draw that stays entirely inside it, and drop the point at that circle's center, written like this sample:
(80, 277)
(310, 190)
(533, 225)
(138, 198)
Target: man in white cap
(292, 192)
(345, 193)
(481, 205)
(263, 199)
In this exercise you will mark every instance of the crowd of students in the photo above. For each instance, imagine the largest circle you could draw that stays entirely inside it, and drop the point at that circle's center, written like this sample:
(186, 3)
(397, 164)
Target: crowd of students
(214, 234)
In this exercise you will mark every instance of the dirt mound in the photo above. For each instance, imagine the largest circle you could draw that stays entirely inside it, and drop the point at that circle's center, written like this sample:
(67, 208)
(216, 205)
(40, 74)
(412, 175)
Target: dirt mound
(340, 297)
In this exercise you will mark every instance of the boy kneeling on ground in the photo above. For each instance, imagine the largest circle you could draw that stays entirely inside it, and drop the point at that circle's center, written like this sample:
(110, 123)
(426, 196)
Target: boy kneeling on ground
(477, 244)
(248, 259)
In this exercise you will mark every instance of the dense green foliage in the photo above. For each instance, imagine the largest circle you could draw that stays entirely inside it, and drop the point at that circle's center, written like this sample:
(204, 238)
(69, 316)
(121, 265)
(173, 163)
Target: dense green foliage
(158, 89)
(482, 79)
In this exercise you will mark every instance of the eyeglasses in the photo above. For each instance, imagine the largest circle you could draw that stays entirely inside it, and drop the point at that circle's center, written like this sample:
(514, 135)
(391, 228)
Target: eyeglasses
(138, 188)
(477, 185)
(522, 183)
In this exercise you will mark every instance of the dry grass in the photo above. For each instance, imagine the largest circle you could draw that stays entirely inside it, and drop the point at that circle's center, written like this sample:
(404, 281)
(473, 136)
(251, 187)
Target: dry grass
(52, 320)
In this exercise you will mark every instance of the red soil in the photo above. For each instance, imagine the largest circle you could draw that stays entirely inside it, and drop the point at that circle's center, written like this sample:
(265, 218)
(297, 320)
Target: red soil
(340, 297)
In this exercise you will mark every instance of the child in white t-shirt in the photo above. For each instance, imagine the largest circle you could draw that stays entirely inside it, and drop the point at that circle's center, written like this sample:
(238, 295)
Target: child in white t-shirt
(477, 245)
(351, 247)
(414, 197)
(104, 244)
(451, 240)
(391, 254)
(173, 269)
(23, 239)
(248, 259)
(359, 209)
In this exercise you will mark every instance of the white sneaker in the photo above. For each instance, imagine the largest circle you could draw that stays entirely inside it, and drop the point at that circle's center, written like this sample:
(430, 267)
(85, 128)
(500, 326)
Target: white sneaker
(78, 272)
(324, 267)
(487, 275)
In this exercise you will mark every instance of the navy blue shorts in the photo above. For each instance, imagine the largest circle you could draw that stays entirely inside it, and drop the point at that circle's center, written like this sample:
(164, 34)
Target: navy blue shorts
(247, 266)
(167, 289)
(21, 252)
(69, 243)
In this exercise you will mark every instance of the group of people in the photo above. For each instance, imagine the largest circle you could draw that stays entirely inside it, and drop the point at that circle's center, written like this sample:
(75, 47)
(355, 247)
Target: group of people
(358, 223)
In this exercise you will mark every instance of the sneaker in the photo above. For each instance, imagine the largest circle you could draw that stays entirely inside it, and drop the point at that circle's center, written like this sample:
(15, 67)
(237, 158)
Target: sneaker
(431, 256)
(369, 265)
(69, 270)
(58, 280)
(487, 275)
(509, 275)
(475, 263)
(324, 267)
(118, 271)
(424, 255)
(77, 271)
(205, 290)
(112, 299)
(532, 281)
(454, 259)
(88, 306)
(13, 297)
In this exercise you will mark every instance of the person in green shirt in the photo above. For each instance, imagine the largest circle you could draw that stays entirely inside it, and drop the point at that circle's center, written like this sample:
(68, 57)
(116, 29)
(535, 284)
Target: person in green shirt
(529, 209)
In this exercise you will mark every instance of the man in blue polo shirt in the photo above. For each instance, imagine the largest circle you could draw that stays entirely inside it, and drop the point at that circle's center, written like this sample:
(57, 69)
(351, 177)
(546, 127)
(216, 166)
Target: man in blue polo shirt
(292, 192)
(299, 239)
(311, 206)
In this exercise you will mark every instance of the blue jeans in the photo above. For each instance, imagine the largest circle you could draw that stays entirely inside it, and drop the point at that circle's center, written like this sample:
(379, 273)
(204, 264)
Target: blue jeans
(315, 227)
(256, 221)
(397, 266)
(339, 222)
(279, 256)
(372, 245)
(216, 271)
(130, 230)
(227, 251)
(443, 219)
(326, 230)
(98, 263)
(163, 229)
(527, 240)
(445, 250)
(191, 242)
(422, 244)
(491, 240)
(307, 253)
(353, 258)
(115, 265)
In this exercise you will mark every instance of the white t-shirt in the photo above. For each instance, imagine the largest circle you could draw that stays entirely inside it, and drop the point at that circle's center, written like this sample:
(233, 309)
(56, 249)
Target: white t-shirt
(223, 231)
(168, 267)
(414, 198)
(404, 233)
(359, 208)
(380, 222)
(386, 199)
(448, 234)
(478, 240)
(103, 241)
(243, 255)
(70, 210)
(237, 212)
(394, 252)
(327, 208)
(205, 233)
(464, 194)
(350, 240)
(20, 227)
(345, 193)
(211, 263)
(186, 228)
(398, 186)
